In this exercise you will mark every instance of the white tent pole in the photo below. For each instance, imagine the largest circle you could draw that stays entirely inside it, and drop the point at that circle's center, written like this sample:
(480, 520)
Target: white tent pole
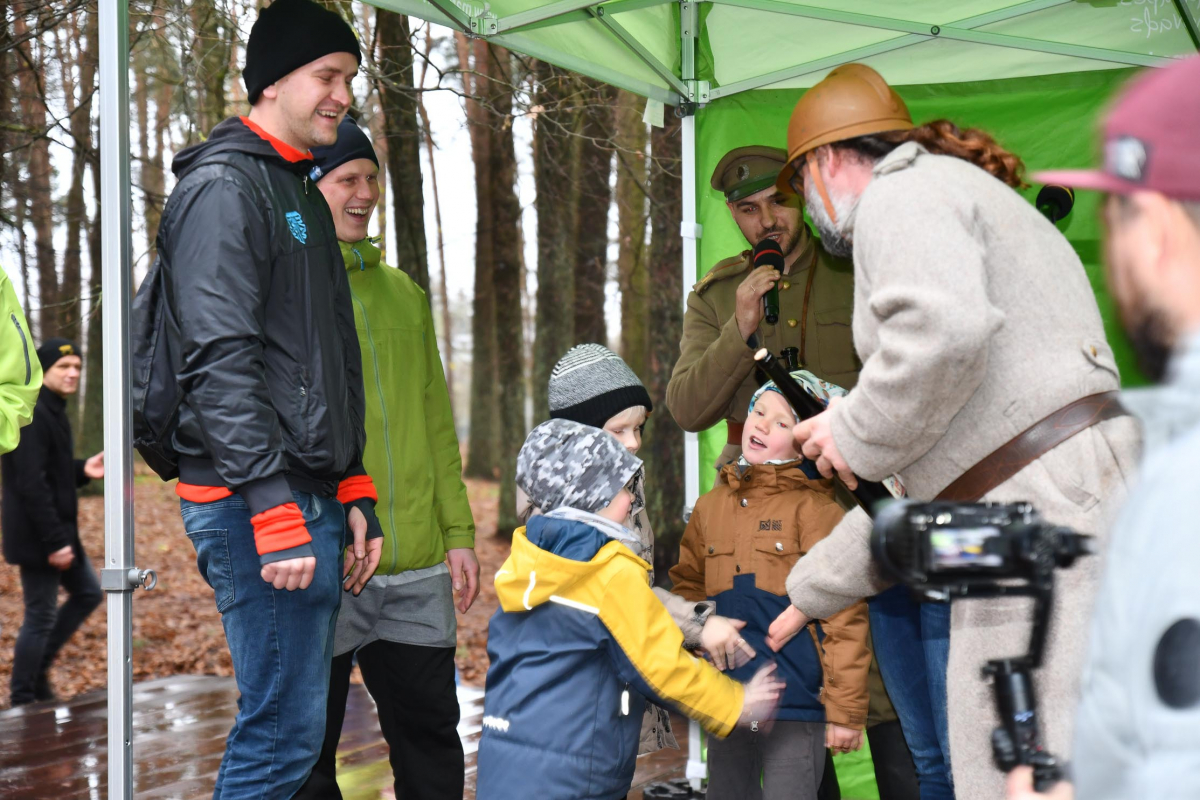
(115, 247)
(689, 18)
(691, 232)
(118, 577)
(689, 229)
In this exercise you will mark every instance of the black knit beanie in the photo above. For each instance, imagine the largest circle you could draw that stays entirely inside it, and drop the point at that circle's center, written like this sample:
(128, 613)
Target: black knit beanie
(351, 144)
(591, 384)
(289, 34)
(54, 349)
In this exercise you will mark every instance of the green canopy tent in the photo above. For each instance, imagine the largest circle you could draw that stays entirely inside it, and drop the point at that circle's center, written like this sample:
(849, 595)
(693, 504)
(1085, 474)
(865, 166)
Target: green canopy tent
(1034, 73)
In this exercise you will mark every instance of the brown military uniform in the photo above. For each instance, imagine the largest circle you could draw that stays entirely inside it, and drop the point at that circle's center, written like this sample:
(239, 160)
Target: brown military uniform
(715, 377)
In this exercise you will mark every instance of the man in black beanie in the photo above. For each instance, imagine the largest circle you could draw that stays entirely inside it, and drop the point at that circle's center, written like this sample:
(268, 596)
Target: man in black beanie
(38, 511)
(253, 392)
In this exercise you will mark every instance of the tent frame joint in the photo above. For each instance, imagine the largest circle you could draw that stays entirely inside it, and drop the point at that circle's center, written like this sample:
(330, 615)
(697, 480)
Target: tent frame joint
(484, 24)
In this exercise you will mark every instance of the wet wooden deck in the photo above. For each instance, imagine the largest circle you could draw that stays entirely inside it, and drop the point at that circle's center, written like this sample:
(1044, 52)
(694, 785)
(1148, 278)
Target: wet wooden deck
(57, 751)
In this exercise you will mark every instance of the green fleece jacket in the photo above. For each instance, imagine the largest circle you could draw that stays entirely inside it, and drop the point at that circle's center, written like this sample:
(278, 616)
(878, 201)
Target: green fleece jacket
(412, 449)
(20, 371)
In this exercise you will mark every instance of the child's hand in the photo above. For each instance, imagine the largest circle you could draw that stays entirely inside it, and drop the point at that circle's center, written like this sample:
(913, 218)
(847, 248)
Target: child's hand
(762, 696)
(721, 639)
(790, 622)
(842, 740)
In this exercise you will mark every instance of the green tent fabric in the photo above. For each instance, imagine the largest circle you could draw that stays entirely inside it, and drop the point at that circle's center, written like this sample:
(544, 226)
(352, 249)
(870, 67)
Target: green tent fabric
(1047, 120)
(643, 45)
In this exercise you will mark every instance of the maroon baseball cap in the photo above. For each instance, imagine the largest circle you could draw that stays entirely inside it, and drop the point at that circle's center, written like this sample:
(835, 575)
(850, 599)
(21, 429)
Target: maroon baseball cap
(1151, 137)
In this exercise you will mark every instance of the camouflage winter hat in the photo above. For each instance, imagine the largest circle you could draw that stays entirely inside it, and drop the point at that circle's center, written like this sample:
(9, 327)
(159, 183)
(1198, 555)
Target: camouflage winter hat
(563, 463)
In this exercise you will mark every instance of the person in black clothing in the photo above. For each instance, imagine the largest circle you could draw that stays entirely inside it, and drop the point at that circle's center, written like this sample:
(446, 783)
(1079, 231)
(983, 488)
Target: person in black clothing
(248, 388)
(38, 515)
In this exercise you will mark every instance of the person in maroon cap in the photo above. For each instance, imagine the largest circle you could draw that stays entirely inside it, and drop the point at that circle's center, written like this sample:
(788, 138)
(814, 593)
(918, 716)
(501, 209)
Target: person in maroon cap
(1137, 730)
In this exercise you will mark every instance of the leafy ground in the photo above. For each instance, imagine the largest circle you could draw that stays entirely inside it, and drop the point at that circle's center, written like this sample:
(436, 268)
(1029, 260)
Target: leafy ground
(176, 628)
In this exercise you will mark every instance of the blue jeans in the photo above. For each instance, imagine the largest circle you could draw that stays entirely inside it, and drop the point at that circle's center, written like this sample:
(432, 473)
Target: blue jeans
(912, 644)
(281, 643)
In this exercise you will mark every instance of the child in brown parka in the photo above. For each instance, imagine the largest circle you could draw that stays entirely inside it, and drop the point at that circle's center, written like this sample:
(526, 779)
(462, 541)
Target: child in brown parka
(766, 511)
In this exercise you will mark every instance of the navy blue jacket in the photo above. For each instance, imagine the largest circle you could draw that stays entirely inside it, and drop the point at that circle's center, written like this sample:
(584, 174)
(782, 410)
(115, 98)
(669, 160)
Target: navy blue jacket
(577, 646)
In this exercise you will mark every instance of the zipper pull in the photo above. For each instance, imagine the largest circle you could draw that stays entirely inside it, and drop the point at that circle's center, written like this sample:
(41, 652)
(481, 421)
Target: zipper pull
(625, 701)
(306, 186)
(754, 726)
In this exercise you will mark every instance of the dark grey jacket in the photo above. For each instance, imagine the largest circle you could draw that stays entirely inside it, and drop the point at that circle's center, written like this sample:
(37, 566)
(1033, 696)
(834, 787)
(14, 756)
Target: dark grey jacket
(39, 507)
(246, 360)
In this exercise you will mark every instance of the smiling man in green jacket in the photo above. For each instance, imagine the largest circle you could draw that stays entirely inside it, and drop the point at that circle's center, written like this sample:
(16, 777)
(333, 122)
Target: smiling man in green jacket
(402, 625)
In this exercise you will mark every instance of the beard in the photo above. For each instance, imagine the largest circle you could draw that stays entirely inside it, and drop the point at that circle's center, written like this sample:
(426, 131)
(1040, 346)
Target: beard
(1151, 341)
(788, 239)
(836, 238)
(1148, 328)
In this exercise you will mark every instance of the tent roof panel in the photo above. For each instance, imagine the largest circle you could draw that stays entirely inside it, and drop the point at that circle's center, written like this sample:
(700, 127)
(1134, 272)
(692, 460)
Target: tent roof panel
(751, 44)
(787, 43)
(582, 45)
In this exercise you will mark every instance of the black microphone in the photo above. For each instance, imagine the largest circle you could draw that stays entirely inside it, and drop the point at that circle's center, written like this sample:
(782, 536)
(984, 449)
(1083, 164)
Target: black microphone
(1055, 202)
(768, 254)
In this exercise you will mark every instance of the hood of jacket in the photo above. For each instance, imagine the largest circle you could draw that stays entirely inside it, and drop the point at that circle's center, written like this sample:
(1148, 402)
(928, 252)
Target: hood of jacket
(233, 136)
(361, 255)
(553, 559)
(774, 478)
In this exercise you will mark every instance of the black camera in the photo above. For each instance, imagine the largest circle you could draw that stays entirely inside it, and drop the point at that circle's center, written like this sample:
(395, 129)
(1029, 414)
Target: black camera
(948, 550)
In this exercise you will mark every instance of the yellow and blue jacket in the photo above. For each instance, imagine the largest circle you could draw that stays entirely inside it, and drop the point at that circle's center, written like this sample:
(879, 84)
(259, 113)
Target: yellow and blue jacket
(578, 645)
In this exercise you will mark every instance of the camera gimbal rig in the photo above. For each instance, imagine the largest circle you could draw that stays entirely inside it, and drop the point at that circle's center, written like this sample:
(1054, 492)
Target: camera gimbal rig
(967, 550)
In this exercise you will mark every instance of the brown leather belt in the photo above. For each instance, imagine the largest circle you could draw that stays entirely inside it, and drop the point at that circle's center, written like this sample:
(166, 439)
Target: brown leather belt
(735, 432)
(1035, 442)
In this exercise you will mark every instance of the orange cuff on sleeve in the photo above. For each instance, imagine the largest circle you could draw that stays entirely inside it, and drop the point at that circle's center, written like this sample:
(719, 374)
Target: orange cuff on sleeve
(356, 488)
(201, 494)
(279, 528)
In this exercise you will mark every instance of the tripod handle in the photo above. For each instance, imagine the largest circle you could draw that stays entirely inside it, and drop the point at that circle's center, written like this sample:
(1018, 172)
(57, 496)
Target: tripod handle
(1046, 772)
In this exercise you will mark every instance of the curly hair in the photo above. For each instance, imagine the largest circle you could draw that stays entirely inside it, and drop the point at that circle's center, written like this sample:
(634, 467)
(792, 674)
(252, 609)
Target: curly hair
(943, 137)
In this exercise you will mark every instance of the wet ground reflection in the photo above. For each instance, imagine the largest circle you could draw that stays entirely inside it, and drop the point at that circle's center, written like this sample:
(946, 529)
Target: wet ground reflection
(57, 751)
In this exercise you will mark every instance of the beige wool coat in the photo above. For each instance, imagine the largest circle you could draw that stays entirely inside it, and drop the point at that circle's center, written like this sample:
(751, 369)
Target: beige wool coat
(974, 319)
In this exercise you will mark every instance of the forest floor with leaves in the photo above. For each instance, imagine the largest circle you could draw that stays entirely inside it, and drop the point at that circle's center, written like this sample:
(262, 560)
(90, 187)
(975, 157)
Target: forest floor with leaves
(176, 627)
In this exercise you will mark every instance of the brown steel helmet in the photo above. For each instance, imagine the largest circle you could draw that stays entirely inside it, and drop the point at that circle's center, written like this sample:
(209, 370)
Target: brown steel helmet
(852, 100)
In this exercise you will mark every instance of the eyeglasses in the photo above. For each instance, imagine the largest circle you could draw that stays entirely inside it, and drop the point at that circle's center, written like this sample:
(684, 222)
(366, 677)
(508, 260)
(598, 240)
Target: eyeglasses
(796, 181)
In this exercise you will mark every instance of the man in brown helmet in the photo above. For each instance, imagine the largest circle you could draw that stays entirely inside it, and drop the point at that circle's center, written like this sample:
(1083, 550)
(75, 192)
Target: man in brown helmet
(714, 378)
(986, 376)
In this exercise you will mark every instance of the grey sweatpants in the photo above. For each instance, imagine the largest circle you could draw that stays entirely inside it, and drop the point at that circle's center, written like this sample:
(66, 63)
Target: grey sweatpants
(784, 763)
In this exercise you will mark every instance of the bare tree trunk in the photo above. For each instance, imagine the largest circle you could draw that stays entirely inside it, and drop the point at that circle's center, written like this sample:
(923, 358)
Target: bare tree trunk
(396, 97)
(210, 52)
(6, 98)
(664, 438)
(555, 156)
(482, 451)
(447, 348)
(154, 170)
(632, 275)
(506, 277)
(91, 428)
(141, 100)
(595, 199)
(79, 110)
(41, 177)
